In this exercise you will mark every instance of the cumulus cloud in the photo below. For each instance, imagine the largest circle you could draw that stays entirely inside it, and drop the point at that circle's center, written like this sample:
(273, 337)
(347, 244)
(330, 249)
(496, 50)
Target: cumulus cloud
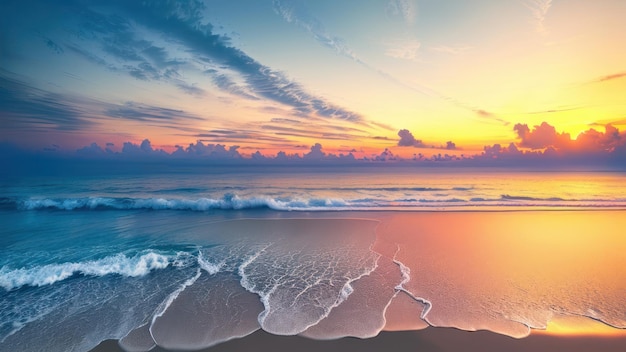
(199, 153)
(541, 136)
(214, 151)
(316, 153)
(593, 141)
(258, 156)
(91, 150)
(386, 155)
(408, 140)
(143, 149)
(497, 150)
(590, 147)
(542, 146)
(551, 157)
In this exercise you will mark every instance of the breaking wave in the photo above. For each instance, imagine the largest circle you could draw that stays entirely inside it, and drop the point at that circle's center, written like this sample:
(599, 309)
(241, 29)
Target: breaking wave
(120, 264)
(235, 202)
(227, 202)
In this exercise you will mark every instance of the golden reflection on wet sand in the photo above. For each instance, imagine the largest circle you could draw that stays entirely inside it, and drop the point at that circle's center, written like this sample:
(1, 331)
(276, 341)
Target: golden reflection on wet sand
(503, 271)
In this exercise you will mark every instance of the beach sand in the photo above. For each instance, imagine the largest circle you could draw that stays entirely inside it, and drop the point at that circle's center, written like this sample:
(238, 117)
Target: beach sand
(427, 340)
(538, 262)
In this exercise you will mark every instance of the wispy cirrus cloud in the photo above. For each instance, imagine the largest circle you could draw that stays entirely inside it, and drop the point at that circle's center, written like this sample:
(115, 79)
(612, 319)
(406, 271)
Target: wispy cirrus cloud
(171, 42)
(298, 15)
(226, 80)
(24, 107)
(295, 13)
(247, 136)
(280, 131)
(451, 50)
(302, 133)
(401, 48)
(486, 115)
(406, 49)
(610, 77)
(405, 9)
(614, 122)
(553, 111)
(539, 10)
(144, 112)
(261, 80)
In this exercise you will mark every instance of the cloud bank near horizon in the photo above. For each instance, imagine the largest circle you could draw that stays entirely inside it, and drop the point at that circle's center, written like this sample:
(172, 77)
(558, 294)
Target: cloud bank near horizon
(541, 146)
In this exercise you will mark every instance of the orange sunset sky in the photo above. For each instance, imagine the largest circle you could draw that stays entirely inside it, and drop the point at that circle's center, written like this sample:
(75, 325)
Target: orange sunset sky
(282, 75)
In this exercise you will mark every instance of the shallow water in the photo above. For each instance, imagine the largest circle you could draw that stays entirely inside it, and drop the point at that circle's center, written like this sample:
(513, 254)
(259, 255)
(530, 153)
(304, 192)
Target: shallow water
(77, 270)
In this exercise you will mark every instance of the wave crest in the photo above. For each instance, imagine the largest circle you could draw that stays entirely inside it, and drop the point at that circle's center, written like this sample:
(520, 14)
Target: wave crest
(234, 202)
(131, 266)
(227, 202)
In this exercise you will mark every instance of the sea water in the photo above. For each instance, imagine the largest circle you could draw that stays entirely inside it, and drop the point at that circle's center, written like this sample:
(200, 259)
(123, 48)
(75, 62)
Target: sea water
(189, 260)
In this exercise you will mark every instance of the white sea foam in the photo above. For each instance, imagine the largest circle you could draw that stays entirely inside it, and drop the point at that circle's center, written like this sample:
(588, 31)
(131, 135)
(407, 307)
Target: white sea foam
(209, 267)
(228, 202)
(21, 322)
(235, 202)
(406, 277)
(121, 264)
(268, 297)
(172, 297)
(245, 283)
(251, 287)
(406, 274)
(346, 291)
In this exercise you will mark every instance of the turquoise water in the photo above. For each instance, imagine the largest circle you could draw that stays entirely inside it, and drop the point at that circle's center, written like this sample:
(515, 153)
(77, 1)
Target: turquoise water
(320, 190)
(83, 259)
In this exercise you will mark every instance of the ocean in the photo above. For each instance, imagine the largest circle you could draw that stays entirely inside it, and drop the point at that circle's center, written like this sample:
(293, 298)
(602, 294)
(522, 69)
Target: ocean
(188, 260)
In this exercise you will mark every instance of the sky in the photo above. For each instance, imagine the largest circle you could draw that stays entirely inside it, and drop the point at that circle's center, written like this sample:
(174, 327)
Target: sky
(367, 78)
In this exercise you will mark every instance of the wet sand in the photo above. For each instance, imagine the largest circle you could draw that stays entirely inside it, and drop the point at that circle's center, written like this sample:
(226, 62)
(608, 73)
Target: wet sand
(428, 340)
(560, 255)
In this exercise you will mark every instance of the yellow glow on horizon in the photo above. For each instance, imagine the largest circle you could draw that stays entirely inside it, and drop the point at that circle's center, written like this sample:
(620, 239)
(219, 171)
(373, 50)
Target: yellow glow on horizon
(579, 326)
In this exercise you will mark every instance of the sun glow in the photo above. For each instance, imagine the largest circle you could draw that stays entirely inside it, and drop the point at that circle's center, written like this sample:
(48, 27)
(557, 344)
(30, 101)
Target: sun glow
(579, 326)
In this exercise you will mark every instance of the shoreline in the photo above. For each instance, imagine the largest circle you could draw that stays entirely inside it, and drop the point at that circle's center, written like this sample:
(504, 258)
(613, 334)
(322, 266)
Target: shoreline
(437, 244)
(431, 339)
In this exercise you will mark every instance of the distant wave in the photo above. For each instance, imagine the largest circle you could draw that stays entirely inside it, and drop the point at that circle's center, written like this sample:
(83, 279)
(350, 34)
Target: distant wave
(235, 202)
(617, 201)
(121, 264)
(227, 202)
(390, 189)
(549, 199)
